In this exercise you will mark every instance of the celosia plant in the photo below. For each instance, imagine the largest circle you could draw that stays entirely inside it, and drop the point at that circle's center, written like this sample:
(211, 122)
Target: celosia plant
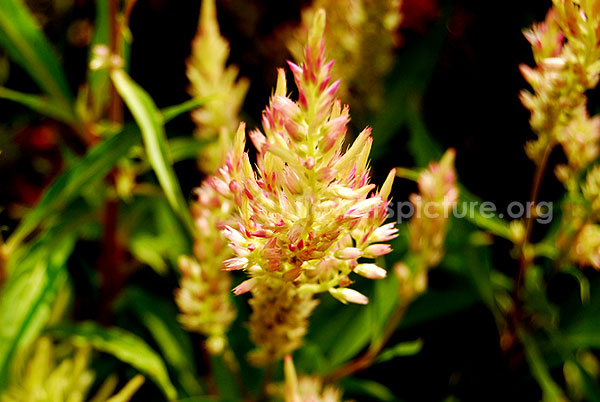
(308, 214)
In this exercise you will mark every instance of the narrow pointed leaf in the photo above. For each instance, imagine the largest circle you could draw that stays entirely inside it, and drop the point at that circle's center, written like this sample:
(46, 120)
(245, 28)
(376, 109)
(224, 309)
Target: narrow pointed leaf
(24, 41)
(94, 166)
(151, 125)
(41, 104)
(25, 303)
(125, 346)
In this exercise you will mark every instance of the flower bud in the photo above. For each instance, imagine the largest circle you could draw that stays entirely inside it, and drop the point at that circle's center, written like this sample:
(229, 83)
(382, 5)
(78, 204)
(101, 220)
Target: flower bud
(370, 271)
(346, 295)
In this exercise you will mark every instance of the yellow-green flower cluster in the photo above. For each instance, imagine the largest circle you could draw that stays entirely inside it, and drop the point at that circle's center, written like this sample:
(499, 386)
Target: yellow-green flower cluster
(47, 378)
(203, 297)
(566, 49)
(279, 320)
(567, 55)
(308, 213)
(213, 81)
(582, 224)
(204, 294)
(363, 32)
(438, 195)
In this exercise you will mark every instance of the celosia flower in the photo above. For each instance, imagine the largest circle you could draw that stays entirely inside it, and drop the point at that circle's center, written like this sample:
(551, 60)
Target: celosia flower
(567, 56)
(204, 294)
(213, 81)
(591, 191)
(586, 250)
(309, 212)
(566, 52)
(438, 195)
(363, 35)
(44, 378)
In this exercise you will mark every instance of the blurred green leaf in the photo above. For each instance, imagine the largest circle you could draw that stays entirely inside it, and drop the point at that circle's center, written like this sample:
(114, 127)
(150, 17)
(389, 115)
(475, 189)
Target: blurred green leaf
(25, 303)
(584, 283)
(224, 380)
(539, 368)
(354, 336)
(160, 318)
(435, 304)
(382, 304)
(93, 167)
(41, 104)
(124, 346)
(493, 224)
(400, 350)
(590, 385)
(182, 148)
(368, 388)
(169, 113)
(151, 125)
(26, 44)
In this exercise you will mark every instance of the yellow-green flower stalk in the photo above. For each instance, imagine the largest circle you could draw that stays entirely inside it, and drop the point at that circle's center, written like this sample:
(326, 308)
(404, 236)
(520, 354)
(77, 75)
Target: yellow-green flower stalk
(308, 213)
(211, 79)
(204, 294)
(363, 32)
(438, 195)
(567, 55)
(47, 378)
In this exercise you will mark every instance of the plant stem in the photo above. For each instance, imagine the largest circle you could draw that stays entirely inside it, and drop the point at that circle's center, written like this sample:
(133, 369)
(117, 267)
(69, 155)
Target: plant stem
(269, 371)
(366, 360)
(525, 260)
(234, 366)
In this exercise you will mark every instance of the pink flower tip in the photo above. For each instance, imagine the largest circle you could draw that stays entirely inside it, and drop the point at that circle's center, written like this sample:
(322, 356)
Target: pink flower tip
(244, 287)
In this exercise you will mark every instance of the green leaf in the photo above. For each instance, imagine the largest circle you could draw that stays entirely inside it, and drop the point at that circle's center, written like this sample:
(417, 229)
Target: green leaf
(539, 368)
(382, 304)
(160, 318)
(25, 303)
(354, 336)
(93, 167)
(151, 123)
(125, 346)
(493, 224)
(169, 113)
(26, 44)
(40, 104)
(182, 148)
(368, 388)
(399, 350)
